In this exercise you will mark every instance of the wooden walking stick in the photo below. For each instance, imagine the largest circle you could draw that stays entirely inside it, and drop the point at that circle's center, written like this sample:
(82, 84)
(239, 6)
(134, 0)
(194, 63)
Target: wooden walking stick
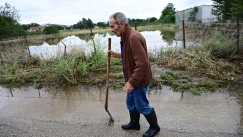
(107, 81)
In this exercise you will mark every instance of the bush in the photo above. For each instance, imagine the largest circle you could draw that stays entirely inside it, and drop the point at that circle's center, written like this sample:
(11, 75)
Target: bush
(51, 30)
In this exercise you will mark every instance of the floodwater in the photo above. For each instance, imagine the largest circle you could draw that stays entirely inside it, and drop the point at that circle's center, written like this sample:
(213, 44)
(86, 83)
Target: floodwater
(156, 41)
(56, 112)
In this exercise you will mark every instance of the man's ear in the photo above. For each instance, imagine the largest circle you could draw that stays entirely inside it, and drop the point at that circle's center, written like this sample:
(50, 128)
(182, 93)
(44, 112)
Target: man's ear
(122, 25)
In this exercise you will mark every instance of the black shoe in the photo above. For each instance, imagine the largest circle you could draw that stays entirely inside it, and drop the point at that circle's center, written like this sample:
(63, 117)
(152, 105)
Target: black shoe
(134, 121)
(154, 127)
(131, 126)
(151, 132)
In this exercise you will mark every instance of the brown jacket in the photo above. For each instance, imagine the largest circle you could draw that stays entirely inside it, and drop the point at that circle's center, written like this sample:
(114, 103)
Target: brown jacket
(137, 67)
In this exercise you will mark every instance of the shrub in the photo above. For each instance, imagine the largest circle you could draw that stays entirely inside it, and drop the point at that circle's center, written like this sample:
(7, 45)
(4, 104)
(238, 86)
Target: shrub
(51, 30)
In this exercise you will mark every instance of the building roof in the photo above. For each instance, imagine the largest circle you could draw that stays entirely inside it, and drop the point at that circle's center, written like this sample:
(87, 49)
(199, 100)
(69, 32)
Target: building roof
(36, 28)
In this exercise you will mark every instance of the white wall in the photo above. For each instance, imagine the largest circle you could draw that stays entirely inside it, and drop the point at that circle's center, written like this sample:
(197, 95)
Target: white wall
(204, 14)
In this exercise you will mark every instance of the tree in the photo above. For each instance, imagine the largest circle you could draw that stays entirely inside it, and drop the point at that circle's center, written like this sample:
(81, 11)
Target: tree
(101, 24)
(192, 14)
(237, 8)
(9, 25)
(152, 19)
(168, 14)
(79, 25)
(136, 22)
(227, 9)
(90, 25)
(51, 30)
(84, 24)
(59, 27)
(27, 26)
(222, 8)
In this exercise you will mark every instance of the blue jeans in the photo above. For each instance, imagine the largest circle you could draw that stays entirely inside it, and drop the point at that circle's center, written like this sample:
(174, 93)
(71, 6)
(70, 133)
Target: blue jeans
(137, 100)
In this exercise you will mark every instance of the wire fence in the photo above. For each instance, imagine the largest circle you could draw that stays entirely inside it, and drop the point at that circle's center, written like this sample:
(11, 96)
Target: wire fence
(197, 33)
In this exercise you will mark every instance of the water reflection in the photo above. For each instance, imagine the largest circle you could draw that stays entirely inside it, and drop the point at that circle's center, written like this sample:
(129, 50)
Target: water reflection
(240, 101)
(97, 93)
(156, 41)
(55, 46)
(73, 43)
(221, 107)
(168, 36)
(50, 47)
(53, 40)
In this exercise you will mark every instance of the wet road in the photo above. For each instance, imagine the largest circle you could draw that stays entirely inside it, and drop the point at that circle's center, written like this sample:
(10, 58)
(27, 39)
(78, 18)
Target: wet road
(79, 111)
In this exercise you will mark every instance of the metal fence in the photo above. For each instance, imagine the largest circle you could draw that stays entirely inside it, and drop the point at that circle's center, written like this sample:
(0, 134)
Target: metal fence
(229, 31)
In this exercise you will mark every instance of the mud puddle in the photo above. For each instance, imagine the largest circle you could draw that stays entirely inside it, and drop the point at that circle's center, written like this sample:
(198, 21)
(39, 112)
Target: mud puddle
(219, 112)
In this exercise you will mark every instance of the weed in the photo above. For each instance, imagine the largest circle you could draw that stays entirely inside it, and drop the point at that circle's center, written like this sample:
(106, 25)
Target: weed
(118, 85)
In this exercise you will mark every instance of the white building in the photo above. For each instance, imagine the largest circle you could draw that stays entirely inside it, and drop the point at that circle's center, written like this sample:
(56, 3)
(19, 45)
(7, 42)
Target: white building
(203, 15)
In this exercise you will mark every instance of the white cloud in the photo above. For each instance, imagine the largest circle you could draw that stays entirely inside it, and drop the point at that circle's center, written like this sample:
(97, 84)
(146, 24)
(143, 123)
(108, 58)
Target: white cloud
(70, 12)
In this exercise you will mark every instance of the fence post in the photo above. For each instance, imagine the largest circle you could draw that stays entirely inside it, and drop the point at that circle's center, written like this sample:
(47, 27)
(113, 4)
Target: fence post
(184, 39)
(27, 46)
(1, 58)
(65, 49)
(238, 34)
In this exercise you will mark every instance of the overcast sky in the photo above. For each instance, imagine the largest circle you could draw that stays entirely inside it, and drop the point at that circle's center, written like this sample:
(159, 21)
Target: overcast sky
(69, 12)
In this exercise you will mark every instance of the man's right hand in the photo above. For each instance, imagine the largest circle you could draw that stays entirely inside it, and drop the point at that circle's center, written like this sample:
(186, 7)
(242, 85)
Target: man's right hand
(113, 54)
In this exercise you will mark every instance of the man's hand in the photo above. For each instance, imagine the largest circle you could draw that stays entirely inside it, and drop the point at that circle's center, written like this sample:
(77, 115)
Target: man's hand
(109, 53)
(113, 54)
(128, 87)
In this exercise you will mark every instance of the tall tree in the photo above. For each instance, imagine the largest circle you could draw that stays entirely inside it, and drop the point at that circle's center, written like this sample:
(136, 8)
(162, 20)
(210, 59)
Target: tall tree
(51, 30)
(101, 24)
(90, 25)
(222, 9)
(84, 24)
(9, 18)
(168, 14)
(152, 19)
(10, 11)
(237, 8)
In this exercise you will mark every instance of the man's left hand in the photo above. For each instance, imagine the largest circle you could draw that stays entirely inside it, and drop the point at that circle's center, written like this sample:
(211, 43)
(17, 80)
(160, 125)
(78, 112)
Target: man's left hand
(128, 87)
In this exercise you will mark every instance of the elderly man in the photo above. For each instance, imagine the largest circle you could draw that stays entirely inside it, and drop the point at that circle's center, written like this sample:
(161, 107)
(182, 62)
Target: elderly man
(137, 73)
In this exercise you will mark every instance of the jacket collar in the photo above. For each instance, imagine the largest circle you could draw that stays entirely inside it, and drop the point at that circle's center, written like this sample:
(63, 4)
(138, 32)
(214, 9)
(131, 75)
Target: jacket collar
(126, 33)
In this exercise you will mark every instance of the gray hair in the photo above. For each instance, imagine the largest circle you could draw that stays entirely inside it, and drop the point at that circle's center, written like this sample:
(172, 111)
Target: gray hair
(119, 17)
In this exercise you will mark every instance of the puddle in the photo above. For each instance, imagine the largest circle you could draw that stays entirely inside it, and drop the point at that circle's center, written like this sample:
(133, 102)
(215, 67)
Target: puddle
(218, 108)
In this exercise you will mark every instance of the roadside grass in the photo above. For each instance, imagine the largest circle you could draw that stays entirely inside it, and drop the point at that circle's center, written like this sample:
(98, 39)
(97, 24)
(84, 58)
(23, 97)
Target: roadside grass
(164, 27)
(198, 69)
(195, 69)
(76, 67)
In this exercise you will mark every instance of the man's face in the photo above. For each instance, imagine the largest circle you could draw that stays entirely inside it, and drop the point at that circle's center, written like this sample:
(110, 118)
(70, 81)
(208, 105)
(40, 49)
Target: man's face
(117, 29)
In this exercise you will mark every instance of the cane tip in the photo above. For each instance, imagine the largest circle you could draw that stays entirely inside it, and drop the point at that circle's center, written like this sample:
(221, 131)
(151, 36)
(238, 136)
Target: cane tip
(111, 121)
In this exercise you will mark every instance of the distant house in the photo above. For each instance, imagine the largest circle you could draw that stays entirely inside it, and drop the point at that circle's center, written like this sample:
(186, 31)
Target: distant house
(203, 15)
(36, 28)
(96, 27)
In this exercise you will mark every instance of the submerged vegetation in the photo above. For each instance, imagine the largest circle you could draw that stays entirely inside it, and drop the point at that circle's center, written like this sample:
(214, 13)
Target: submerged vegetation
(202, 68)
(74, 68)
